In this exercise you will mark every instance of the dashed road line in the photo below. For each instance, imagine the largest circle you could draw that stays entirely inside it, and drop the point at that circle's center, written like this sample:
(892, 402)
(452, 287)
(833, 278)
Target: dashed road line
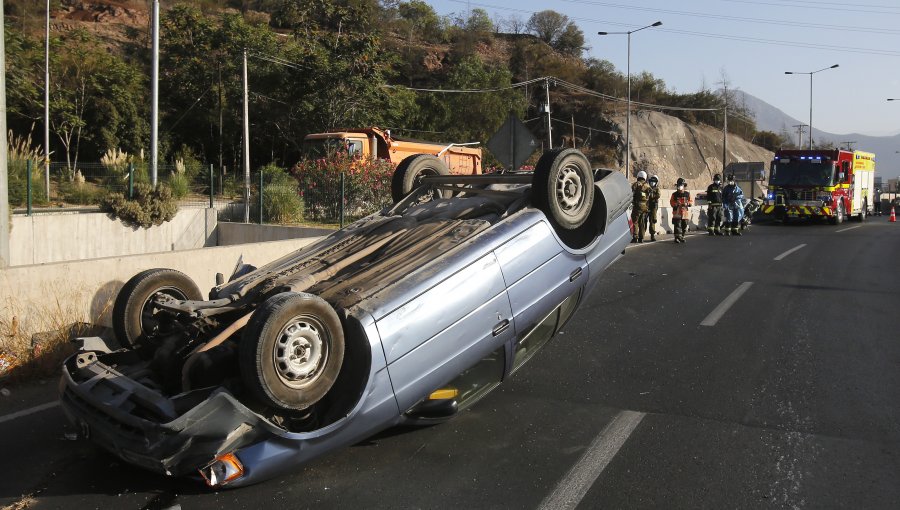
(26, 412)
(792, 250)
(573, 487)
(846, 229)
(727, 303)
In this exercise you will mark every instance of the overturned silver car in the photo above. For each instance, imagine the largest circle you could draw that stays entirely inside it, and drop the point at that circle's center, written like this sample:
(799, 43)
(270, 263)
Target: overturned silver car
(404, 317)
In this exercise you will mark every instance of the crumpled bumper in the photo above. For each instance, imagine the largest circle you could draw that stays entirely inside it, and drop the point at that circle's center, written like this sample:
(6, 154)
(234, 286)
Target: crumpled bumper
(142, 427)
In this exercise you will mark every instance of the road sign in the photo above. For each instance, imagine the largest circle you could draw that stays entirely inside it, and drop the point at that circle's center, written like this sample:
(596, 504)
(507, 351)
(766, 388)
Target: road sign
(512, 143)
(748, 171)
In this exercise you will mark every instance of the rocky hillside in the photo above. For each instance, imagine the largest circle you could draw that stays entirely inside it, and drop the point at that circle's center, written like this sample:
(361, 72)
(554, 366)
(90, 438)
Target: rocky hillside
(668, 147)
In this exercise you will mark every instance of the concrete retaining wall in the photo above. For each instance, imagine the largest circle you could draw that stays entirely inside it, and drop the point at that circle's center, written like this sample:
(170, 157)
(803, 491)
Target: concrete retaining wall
(45, 296)
(45, 238)
(239, 233)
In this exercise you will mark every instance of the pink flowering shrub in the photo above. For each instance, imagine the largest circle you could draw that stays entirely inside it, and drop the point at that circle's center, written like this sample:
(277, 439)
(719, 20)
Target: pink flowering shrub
(367, 186)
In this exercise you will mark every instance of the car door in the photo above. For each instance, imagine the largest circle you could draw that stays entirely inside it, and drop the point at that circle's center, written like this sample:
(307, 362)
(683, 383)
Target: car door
(446, 330)
(540, 274)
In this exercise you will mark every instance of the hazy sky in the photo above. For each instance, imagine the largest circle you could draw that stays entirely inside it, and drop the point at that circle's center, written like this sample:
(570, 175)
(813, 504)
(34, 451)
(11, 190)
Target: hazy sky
(755, 42)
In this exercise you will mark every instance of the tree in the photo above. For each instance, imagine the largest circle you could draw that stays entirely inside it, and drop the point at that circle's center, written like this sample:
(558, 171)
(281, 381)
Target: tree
(479, 21)
(420, 18)
(570, 41)
(547, 25)
(769, 140)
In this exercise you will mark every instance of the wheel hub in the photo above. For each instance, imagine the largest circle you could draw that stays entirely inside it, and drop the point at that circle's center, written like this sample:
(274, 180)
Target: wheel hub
(569, 189)
(299, 352)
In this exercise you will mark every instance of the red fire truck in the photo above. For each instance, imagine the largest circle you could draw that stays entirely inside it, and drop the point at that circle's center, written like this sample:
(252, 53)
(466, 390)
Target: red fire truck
(833, 184)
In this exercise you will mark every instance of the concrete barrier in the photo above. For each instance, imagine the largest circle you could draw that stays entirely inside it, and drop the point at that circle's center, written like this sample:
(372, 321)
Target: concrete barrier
(47, 296)
(57, 237)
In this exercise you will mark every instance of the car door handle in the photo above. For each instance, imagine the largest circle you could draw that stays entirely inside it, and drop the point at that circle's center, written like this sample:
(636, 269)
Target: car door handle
(575, 274)
(500, 328)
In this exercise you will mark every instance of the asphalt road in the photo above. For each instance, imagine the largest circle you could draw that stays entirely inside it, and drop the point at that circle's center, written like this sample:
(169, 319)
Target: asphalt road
(649, 398)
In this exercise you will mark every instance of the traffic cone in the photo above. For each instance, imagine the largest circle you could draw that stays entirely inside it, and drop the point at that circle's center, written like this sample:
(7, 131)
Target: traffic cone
(893, 215)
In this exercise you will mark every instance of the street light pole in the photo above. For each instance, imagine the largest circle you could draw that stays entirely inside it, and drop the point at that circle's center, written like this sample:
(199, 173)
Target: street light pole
(628, 114)
(811, 73)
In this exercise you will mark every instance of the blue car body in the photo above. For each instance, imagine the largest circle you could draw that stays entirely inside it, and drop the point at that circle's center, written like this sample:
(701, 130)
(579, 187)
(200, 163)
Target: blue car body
(464, 306)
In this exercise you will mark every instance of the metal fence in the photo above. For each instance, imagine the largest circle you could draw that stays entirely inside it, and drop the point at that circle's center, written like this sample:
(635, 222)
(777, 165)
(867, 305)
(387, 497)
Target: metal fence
(332, 199)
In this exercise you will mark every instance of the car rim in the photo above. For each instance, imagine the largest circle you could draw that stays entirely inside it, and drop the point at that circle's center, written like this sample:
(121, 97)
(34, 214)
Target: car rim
(149, 323)
(569, 189)
(300, 351)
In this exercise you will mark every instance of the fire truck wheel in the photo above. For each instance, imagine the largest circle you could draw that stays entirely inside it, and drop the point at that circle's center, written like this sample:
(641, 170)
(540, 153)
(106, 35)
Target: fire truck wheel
(838, 217)
(409, 172)
(563, 187)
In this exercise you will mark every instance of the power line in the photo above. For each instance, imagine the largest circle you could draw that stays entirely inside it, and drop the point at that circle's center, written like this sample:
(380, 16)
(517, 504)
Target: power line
(467, 91)
(796, 44)
(782, 22)
(820, 5)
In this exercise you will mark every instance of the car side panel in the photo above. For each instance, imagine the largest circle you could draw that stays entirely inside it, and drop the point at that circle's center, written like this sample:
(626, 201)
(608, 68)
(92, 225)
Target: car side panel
(438, 308)
(451, 351)
(540, 274)
(610, 248)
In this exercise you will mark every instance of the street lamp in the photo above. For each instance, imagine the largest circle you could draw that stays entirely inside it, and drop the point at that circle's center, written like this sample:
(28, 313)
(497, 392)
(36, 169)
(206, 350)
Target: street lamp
(811, 73)
(628, 116)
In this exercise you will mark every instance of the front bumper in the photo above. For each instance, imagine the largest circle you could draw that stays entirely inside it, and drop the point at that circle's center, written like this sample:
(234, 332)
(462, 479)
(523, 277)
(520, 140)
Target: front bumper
(142, 427)
(798, 210)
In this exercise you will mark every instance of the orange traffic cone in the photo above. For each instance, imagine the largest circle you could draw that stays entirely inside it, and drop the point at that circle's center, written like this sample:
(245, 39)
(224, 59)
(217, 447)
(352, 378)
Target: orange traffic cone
(893, 215)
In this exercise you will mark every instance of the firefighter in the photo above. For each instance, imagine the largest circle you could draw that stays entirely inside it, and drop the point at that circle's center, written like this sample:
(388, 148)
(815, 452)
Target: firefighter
(680, 201)
(715, 215)
(877, 201)
(640, 192)
(653, 205)
(733, 200)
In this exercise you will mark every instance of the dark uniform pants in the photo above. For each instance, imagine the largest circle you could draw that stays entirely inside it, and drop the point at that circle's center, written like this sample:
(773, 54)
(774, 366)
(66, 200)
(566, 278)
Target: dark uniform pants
(651, 218)
(680, 225)
(716, 216)
(639, 219)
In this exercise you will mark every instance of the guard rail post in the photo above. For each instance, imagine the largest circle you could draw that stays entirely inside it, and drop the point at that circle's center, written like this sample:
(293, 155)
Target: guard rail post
(212, 188)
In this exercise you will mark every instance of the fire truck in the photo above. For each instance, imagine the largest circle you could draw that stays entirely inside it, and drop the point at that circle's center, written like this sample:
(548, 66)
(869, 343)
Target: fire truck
(833, 184)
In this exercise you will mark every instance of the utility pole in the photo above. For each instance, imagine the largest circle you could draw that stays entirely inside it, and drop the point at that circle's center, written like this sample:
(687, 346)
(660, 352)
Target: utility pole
(4, 181)
(549, 135)
(850, 145)
(47, 105)
(154, 97)
(246, 144)
(799, 134)
(725, 131)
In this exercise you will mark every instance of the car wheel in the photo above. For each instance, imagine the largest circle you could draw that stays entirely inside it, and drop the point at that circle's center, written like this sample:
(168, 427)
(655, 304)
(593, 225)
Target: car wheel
(409, 172)
(134, 315)
(563, 187)
(838, 217)
(291, 351)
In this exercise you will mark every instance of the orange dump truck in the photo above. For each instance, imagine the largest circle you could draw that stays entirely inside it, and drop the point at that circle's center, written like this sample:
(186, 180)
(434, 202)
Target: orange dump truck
(413, 158)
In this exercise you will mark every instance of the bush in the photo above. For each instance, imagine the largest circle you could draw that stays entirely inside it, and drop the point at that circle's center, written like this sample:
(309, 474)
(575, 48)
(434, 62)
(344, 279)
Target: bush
(82, 193)
(179, 184)
(367, 186)
(281, 197)
(149, 207)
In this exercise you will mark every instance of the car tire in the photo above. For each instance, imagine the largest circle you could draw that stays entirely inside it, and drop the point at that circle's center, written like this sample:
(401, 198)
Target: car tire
(410, 170)
(291, 351)
(838, 217)
(563, 187)
(133, 315)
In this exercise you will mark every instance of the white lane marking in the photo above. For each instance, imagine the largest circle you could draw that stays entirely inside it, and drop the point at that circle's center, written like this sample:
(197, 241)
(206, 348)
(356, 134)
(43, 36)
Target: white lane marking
(792, 250)
(26, 412)
(723, 307)
(573, 487)
(848, 228)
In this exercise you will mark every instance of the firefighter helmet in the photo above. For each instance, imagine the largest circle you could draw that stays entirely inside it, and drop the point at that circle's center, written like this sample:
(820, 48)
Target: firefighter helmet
(654, 180)
(717, 177)
(681, 182)
(642, 175)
